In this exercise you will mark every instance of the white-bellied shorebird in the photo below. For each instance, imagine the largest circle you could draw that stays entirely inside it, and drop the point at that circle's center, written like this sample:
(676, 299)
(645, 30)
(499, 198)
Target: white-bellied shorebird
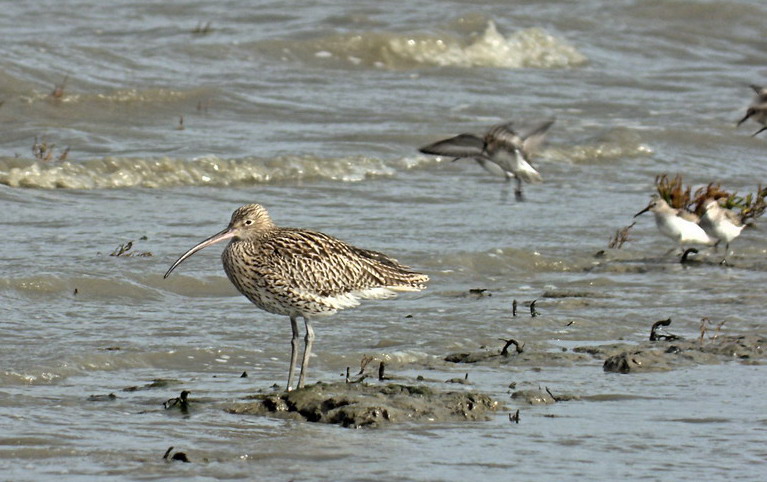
(502, 151)
(721, 224)
(680, 225)
(302, 273)
(758, 109)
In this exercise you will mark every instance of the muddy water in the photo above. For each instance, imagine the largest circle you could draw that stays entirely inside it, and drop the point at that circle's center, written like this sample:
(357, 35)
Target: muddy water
(316, 112)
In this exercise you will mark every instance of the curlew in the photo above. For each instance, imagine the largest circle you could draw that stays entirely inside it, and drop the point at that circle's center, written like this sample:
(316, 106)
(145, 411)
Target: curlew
(301, 273)
(502, 151)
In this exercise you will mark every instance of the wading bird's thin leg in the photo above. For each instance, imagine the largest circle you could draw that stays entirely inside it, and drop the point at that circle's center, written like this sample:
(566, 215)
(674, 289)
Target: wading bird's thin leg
(293, 352)
(518, 191)
(308, 341)
(726, 253)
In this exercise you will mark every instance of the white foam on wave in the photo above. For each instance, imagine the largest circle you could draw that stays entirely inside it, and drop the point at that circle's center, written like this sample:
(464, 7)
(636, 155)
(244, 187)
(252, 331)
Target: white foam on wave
(124, 172)
(527, 48)
(532, 47)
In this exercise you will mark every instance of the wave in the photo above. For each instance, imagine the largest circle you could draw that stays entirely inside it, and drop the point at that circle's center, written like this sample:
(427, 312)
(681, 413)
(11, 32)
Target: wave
(619, 143)
(80, 287)
(111, 360)
(528, 48)
(145, 97)
(126, 172)
(501, 261)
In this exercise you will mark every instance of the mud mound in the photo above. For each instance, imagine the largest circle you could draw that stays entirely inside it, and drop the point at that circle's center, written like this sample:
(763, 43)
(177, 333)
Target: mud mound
(370, 405)
(668, 355)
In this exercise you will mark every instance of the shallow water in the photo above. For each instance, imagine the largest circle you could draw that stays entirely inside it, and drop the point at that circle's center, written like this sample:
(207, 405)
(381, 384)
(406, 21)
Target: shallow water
(317, 112)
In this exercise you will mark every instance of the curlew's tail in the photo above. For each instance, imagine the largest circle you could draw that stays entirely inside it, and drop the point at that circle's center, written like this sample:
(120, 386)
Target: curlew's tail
(386, 273)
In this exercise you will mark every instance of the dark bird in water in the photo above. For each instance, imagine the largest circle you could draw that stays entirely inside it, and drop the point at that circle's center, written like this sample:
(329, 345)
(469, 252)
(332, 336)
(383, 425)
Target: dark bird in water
(302, 273)
(502, 151)
(758, 109)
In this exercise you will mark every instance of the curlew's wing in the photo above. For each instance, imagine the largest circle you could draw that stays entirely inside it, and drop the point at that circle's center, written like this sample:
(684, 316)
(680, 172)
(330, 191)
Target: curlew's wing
(323, 266)
(463, 145)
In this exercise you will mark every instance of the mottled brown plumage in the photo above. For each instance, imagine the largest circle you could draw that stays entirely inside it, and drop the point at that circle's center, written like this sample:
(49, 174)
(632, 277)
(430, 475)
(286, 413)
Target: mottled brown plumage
(302, 273)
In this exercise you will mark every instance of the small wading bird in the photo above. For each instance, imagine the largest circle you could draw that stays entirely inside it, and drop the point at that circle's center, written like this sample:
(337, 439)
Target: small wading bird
(721, 224)
(302, 273)
(502, 151)
(680, 225)
(758, 109)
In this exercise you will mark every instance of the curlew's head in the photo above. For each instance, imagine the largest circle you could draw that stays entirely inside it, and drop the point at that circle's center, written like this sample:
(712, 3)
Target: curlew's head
(248, 222)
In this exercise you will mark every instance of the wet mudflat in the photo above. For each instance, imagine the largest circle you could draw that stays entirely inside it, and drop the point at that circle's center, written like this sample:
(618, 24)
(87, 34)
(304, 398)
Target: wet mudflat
(366, 403)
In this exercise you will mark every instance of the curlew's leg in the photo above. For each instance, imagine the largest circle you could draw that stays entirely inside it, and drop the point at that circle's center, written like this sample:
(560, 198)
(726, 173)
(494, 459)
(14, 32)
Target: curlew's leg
(293, 352)
(308, 341)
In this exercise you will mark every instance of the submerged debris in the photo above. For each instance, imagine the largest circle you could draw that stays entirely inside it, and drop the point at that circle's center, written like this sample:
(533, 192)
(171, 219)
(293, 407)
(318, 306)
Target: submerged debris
(521, 356)
(533, 397)
(459, 380)
(125, 250)
(156, 383)
(182, 402)
(511, 341)
(178, 456)
(533, 311)
(685, 259)
(621, 236)
(480, 292)
(102, 398)
(655, 336)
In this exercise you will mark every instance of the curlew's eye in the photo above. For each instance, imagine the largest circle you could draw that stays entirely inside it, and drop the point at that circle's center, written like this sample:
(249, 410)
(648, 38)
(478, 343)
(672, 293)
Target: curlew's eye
(248, 222)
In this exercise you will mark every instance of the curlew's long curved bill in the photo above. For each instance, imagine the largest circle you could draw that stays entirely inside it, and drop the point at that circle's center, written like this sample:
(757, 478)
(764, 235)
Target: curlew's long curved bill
(227, 233)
